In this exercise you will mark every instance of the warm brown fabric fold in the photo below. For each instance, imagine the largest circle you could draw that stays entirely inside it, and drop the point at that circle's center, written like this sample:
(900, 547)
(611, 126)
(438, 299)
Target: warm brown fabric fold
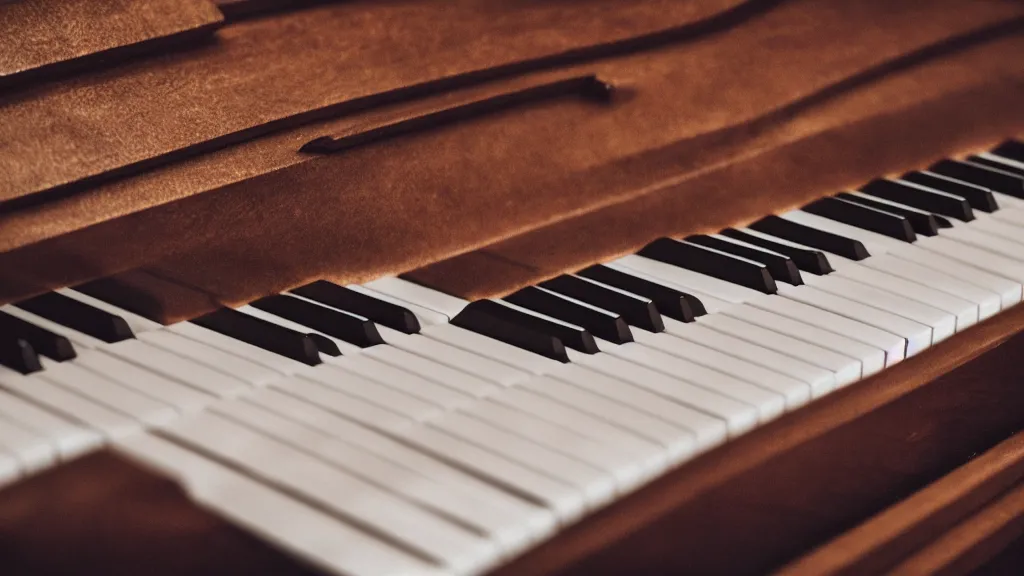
(43, 38)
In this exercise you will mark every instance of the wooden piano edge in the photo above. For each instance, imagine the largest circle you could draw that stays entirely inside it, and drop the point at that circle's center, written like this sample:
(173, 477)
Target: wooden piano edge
(747, 507)
(764, 498)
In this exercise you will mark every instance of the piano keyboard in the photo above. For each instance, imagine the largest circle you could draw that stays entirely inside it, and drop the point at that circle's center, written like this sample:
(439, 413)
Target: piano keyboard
(389, 428)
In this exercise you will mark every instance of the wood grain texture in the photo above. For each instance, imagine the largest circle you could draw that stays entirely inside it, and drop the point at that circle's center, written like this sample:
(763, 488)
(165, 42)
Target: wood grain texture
(44, 38)
(262, 76)
(811, 475)
(972, 543)
(403, 207)
(893, 535)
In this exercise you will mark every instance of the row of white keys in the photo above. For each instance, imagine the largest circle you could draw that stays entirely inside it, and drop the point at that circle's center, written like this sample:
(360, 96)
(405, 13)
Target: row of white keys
(69, 440)
(182, 397)
(691, 281)
(358, 386)
(707, 430)
(211, 357)
(353, 407)
(335, 491)
(78, 380)
(68, 405)
(987, 301)
(679, 442)
(31, 451)
(818, 379)
(628, 463)
(527, 513)
(455, 358)
(459, 380)
(769, 404)
(446, 500)
(406, 380)
(300, 529)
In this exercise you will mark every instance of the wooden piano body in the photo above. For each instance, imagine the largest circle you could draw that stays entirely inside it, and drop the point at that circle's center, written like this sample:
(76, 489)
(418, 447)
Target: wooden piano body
(464, 147)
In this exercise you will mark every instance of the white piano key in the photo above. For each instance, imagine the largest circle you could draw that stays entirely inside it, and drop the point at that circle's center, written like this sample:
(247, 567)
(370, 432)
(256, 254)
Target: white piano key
(738, 416)
(689, 279)
(405, 381)
(280, 364)
(794, 392)
(9, 469)
(847, 370)
(177, 368)
(343, 346)
(425, 316)
(974, 256)
(1009, 290)
(494, 349)
(87, 384)
(711, 304)
(769, 404)
(382, 472)
(708, 430)
(942, 324)
(138, 324)
(560, 496)
(988, 302)
(872, 359)
(320, 539)
(1006, 202)
(627, 470)
(421, 296)
(351, 407)
(180, 396)
(680, 442)
(820, 380)
(892, 345)
(459, 380)
(69, 405)
(530, 514)
(336, 491)
(598, 487)
(1002, 229)
(69, 440)
(32, 451)
(973, 236)
(964, 312)
(78, 339)
(356, 385)
(1014, 216)
(210, 357)
(649, 453)
(457, 358)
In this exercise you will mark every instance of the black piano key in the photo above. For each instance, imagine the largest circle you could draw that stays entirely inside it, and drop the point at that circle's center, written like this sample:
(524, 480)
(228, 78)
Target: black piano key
(18, 355)
(811, 237)
(669, 301)
(358, 331)
(41, 340)
(806, 260)
(636, 311)
(997, 165)
(263, 334)
(606, 325)
(575, 337)
(1012, 149)
(383, 313)
(78, 316)
(923, 223)
(978, 197)
(781, 267)
(885, 223)
(1002, 181)
(479, 317)
(937, 203)
(711, 263)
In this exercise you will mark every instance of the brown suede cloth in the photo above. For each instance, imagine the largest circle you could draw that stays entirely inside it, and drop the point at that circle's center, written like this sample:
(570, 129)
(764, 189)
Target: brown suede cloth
(44, 37)
(778, 109)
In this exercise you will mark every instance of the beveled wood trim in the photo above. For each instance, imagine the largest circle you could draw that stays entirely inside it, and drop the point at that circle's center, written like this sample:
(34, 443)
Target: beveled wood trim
(894, 534)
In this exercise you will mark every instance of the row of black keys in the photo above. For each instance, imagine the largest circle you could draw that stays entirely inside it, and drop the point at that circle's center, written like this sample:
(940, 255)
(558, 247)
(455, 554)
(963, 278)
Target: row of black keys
(967, 185)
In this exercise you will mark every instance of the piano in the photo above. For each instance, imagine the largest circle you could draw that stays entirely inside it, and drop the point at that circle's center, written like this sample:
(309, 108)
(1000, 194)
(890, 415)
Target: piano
(511, 288)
